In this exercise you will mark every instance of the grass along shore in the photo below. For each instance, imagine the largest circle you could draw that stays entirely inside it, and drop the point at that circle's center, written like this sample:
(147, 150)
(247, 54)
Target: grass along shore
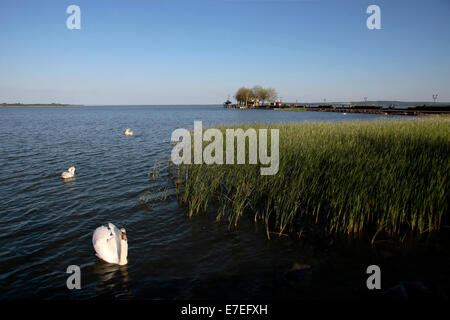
(377, 178)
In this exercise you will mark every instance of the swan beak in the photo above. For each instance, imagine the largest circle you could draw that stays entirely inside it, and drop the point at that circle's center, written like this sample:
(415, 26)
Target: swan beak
(124, 236)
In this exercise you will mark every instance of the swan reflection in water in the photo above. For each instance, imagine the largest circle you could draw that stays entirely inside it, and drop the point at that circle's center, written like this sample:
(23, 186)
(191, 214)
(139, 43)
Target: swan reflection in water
(110, 281)
(70, 182)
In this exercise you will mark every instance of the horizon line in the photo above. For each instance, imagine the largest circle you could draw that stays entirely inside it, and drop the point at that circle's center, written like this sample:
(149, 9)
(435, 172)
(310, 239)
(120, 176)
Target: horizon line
(209, 104)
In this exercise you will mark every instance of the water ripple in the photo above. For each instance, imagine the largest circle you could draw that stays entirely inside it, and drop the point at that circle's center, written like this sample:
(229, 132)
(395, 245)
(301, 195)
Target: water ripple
(46, 224)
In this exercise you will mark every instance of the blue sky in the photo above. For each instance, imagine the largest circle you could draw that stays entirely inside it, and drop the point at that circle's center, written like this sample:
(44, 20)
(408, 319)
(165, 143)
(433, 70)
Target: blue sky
(189, 52)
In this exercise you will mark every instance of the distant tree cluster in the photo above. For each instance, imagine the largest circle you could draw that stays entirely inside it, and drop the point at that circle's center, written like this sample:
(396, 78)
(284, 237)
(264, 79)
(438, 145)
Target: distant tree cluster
(255, 96)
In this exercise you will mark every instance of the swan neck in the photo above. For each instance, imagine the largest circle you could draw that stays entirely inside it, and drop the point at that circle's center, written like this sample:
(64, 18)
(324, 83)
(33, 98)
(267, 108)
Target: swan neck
(123, 252)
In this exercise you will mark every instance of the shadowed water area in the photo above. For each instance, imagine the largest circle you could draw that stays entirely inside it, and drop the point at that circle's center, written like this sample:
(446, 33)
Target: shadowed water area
(46, 224)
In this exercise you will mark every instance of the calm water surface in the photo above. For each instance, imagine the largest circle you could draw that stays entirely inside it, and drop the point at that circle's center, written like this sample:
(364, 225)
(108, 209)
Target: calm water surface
(47, 224)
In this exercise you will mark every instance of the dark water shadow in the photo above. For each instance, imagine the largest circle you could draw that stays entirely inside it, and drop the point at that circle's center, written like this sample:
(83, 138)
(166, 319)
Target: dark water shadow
(112, 280)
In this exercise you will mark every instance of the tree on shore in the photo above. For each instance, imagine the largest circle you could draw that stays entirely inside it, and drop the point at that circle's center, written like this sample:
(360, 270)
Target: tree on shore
(243, 96)
(272, 95)
(239, 96)
(257, 94)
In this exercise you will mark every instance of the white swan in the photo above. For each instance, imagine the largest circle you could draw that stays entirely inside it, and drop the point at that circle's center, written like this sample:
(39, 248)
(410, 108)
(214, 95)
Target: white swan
(70, 173)
(345, 113)
(111, 244)
(128, 132)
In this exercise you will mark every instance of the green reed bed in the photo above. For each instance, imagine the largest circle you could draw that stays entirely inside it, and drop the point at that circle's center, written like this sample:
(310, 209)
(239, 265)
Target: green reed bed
(381, 177)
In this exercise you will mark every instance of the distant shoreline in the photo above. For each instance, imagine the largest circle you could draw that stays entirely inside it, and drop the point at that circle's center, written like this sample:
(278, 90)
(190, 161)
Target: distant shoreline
(39, 105)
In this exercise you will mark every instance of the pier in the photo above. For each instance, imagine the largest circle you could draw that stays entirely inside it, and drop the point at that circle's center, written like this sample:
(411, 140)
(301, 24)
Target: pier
(350, 107)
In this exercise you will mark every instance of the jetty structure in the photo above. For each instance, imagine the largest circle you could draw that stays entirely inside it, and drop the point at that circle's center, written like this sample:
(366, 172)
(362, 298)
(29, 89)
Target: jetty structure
(370, 107)
(381, 107)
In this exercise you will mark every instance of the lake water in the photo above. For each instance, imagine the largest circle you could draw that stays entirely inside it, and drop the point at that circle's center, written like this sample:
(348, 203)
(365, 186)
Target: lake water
(47, 224)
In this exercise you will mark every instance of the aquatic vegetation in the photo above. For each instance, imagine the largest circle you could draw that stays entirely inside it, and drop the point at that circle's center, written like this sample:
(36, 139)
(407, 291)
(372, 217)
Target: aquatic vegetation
(294, 109)
(380, 177)
(159, 189)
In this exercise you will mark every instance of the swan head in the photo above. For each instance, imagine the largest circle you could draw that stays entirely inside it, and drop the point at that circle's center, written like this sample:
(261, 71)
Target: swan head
(71, 170)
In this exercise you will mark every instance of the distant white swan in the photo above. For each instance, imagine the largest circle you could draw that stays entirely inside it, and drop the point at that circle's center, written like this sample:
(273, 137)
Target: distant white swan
(111, 244)
(345, 113)
(128, 132)
(70, 173)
